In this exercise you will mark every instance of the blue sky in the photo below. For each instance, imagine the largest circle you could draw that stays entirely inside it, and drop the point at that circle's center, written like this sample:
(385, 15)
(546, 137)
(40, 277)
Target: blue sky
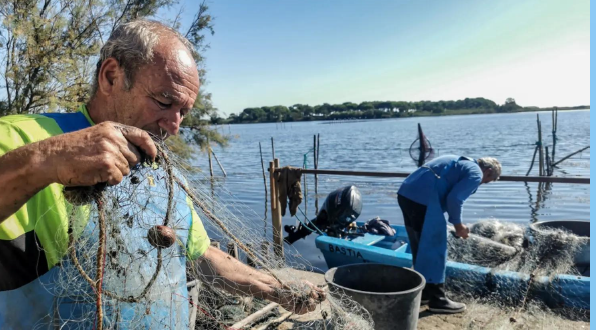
(312, 52)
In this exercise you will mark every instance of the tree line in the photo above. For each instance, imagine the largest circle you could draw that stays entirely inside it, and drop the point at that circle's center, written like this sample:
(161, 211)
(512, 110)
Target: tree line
(364, 110)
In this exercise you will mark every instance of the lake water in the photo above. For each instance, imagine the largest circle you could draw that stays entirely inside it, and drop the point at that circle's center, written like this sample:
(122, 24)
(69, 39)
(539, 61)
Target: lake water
(382, 145)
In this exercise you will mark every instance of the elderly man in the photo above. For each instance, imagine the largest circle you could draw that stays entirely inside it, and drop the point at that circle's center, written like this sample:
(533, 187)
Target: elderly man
(439, 186)
(146, 82)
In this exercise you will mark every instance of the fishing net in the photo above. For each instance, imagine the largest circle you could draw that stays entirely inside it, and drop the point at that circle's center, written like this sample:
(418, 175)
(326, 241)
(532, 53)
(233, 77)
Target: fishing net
(529, 277)
(132, 264)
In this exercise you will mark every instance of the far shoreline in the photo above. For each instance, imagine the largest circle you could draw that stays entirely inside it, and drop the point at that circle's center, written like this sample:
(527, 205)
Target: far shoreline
(419, 114)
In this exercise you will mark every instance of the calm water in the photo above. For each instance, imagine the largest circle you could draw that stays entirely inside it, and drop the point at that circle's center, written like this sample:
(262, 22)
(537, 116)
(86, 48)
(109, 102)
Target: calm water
(382, 145)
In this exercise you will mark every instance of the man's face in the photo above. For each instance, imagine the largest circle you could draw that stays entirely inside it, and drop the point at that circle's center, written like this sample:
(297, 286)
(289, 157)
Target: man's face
(162, 93)
(487, 176)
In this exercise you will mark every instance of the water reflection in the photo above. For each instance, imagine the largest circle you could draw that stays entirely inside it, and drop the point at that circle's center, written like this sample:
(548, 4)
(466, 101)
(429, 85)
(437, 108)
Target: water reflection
(543, 192)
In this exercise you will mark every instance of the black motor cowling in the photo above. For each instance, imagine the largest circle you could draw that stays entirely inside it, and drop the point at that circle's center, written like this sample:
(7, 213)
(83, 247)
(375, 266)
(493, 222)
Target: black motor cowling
(340, 209)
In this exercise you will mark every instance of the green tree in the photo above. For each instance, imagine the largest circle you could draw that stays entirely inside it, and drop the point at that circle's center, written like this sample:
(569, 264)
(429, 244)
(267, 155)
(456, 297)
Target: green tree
(296, 115)
(46, 47)
(233, 118)
(282, 113)
(338, 108)
(49, 48)
(350, 106)
(509, 106)
(307, 111)
(364, 106)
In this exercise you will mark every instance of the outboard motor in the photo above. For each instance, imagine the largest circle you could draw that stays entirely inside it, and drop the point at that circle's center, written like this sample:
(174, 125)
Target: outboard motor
(340, 209)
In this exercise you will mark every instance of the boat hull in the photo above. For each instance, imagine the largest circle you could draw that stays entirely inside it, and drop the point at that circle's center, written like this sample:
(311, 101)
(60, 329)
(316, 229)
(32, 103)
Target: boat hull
(556, 291)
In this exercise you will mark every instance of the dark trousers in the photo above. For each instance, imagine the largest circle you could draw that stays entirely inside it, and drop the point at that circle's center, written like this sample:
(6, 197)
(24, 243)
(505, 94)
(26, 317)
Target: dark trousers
(414, 214)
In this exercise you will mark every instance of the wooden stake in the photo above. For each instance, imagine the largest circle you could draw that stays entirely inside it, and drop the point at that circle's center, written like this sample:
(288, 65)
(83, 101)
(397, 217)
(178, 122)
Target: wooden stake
(275, 210)
(305, 186)
(316, 165)
(272, 148)
(540, 148)
(266, 198)
(263, 168)
(210, 163)
(255, 316)
(570, 155)
(317, 185)
(269, 323)
(318, 148)
(532, 162)
(555, 119)
(218, 163)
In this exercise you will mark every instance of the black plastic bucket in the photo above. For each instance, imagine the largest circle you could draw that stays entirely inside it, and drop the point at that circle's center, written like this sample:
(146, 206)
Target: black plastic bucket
(390, 294)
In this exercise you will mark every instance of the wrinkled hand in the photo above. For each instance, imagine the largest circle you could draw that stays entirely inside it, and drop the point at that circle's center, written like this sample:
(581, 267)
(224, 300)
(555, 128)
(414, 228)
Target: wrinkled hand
(300, 297)
(102, 153)
(462, 231)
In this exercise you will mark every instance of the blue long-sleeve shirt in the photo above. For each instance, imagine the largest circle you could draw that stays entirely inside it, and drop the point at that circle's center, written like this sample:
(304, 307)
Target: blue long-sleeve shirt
(462, 180)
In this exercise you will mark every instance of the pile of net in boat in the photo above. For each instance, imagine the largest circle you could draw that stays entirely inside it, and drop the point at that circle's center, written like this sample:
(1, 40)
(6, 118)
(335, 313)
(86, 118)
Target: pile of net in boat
(524, 266)
(123, 244)
(512, 247)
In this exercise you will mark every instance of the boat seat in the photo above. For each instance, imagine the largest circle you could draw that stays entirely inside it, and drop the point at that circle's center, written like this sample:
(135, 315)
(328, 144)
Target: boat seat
(368, 239)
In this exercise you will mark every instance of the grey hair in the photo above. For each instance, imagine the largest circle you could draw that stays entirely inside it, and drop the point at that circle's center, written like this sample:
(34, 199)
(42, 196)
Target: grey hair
(493, 164)
(131, 44)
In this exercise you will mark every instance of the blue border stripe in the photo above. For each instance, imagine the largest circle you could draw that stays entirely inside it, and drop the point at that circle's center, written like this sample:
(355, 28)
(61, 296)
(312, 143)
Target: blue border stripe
(69, 122)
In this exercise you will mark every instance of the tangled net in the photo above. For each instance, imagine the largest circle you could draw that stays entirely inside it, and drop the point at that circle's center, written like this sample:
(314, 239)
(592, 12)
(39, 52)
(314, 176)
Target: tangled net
(506, 246)
(524, 264)
(125, 266)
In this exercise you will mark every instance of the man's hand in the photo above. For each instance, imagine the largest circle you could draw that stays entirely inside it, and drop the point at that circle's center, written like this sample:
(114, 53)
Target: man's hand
(222, 271)
(299, 297)
(102, 153)
(461, 230)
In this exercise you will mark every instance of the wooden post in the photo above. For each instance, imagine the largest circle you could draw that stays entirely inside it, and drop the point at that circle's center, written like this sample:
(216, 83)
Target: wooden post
(266, 198)
(305, 188)
(218, 163)
(272, 148)
(570, 155)
(209, 154)
(233, 250)
(254, 317)
(314, 156)
(318, 148)
(317, 181)
(263, 168)
(540, 148)
(275, 210)
(532, 162)
(555, 121)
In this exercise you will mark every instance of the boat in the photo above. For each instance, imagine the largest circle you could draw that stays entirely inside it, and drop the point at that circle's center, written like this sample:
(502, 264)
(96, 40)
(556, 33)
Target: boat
(342, 245)
(562, 290)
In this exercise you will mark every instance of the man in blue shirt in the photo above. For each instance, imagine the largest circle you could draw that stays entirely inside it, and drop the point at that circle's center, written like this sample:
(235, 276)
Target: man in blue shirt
(439, 186)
